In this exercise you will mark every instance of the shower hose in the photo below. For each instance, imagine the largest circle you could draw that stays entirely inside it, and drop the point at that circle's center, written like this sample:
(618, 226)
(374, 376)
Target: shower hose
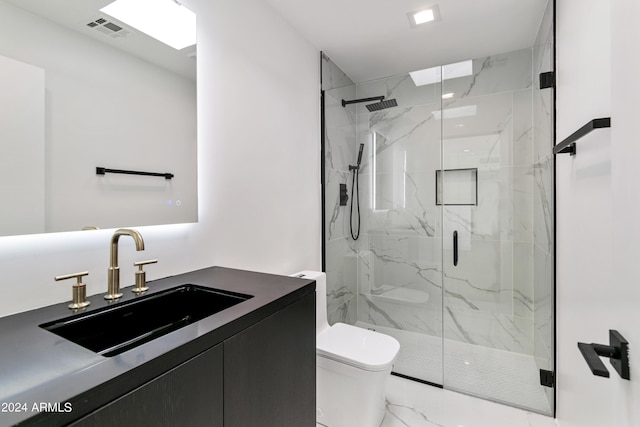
(355, 189)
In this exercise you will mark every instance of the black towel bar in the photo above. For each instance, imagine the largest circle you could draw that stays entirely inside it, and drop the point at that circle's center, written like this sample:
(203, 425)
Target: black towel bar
(102, 171)
(569, 144)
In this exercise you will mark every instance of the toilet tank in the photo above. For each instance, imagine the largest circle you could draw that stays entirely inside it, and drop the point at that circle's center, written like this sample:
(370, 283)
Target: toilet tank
(321, 296)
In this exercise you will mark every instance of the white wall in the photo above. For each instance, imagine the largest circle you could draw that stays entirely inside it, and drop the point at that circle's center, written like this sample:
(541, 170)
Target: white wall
(22, 148)
(598, 206)
(259, 189)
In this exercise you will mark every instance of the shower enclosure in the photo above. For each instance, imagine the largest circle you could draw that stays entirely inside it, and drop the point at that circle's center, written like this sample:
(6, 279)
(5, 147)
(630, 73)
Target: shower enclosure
(455, 255)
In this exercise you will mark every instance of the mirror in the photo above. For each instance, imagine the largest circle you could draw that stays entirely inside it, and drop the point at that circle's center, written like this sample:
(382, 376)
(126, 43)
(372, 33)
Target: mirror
(84, 90)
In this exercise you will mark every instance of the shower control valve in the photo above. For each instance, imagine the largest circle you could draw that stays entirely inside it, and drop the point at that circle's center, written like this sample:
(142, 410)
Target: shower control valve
(343, 195)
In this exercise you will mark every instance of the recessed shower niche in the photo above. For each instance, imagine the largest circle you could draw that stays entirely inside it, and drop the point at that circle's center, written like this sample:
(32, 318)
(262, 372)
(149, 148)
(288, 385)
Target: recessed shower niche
(455, 257)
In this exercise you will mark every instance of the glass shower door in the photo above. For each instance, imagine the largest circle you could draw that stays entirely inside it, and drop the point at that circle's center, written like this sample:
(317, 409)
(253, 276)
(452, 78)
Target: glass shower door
(486, 191)
(400, 273)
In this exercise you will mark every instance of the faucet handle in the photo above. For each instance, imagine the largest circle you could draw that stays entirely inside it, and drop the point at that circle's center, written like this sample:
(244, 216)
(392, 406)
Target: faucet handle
(141, 276)
(79, 290)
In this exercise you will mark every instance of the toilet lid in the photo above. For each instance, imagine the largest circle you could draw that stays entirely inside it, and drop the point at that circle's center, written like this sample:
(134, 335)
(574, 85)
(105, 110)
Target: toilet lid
(358, 347)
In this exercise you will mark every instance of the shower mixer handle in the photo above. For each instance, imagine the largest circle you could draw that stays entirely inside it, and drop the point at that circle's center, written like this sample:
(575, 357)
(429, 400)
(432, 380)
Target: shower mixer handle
(455, 248)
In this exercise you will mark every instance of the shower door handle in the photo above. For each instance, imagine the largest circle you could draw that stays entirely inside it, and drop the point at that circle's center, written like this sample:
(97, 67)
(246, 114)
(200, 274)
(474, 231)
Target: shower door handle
(455, 248)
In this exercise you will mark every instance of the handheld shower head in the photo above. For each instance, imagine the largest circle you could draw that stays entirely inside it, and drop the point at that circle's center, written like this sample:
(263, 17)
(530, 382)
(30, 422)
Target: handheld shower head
(357, 166)
(360, 154)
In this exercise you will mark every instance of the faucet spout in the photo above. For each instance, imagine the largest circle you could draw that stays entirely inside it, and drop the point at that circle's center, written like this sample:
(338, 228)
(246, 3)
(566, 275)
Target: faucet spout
(113, 279)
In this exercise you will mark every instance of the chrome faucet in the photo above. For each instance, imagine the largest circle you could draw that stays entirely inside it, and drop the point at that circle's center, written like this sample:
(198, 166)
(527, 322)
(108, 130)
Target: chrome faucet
(113, 279)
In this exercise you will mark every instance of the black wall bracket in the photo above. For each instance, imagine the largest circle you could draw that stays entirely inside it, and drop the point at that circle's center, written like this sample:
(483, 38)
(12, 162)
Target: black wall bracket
(547, 80)
(617, 351)
(547, 378)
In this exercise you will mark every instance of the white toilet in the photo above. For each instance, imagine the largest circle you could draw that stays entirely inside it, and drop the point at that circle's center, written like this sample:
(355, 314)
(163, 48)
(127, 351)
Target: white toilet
(352, 367)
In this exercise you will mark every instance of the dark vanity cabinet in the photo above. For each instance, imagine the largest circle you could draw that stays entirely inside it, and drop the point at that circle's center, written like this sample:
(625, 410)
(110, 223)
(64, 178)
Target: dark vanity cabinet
(188, 395)
(270, 370)
(262, 376)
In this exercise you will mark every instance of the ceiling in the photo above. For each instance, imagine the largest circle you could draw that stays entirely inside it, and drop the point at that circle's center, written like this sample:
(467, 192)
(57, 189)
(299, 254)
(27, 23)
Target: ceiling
(371, 39)
(75, 15)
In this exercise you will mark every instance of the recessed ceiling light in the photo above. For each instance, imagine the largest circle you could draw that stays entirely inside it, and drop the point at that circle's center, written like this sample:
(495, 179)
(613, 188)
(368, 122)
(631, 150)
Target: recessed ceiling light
(165, 20)
(448, 95)
(422, 16)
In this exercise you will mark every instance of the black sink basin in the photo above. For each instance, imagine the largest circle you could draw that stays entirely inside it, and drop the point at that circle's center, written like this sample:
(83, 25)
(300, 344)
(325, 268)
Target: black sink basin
(116, 329)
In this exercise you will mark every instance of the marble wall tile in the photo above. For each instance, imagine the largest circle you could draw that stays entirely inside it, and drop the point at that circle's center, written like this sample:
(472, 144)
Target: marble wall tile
(402, 89)
(494, 74)
(543, 277)
(411, 130)
(341, 256)
(404, 204)
(543, 227)
(474, 283)
(332, 76)
(545, 31)
(523, 132)
(403, 316)
(543, 106)
(403, 285)
(487, 329)
(406, 261)
(336, 216)
(543, 360)
(344, 313)
(482, 125)
(340, 151)
(543, 296)
(398, 189)
(339, 130)
(523, 203)
(504, 210)
(541, 352)
(365, 263)
(523, 295)
(506, 277)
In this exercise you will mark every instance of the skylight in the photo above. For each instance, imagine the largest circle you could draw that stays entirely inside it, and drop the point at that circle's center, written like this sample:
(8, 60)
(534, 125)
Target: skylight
(438, 74)
(165, 20)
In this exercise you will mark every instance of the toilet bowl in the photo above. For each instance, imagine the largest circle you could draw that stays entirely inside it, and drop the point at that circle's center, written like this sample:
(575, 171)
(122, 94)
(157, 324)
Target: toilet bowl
(352, 367)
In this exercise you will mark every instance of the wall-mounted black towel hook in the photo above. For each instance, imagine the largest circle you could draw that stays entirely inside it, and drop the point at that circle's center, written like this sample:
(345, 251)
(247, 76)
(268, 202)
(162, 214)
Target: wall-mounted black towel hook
(617, 351)
(568, 145)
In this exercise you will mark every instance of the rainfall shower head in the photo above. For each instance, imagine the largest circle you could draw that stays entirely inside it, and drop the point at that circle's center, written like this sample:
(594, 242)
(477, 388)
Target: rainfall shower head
(382, 105)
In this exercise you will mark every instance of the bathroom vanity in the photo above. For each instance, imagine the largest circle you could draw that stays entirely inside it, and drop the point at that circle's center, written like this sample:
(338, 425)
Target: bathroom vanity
(251, 364)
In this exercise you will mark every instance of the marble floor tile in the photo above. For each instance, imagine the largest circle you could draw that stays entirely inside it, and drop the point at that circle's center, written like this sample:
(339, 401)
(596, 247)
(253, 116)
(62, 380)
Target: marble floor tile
(412, 404)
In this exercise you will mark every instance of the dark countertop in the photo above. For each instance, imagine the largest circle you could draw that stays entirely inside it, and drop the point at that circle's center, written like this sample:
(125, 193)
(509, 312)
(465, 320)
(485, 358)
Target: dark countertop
(37, 366)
